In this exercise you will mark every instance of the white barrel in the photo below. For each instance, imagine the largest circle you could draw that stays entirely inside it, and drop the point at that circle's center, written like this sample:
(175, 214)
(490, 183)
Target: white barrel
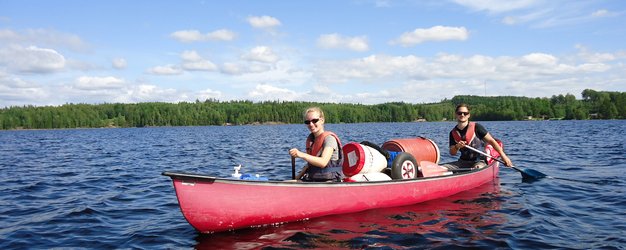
(377, 176)
(361, 159)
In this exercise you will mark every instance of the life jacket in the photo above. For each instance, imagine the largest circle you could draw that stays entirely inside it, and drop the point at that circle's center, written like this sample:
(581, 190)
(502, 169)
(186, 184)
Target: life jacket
(333, 170)
(470, 139)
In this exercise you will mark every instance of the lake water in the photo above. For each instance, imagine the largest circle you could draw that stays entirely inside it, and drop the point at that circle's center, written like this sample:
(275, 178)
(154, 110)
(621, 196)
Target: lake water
(103, 188)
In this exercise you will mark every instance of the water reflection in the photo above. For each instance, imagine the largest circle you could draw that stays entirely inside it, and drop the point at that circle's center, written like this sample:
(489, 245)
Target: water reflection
(464, 219)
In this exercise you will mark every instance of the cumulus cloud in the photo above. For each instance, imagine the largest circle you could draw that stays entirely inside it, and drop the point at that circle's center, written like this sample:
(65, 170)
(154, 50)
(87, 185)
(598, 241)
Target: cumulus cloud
(17, 91)
(263, 22)
(242, 68)
(268, 92)
(436, 33)
(119, 63)
(147, 92)
(596, 57)
(445, 66)
(166, 70)
(98, 83)
(261, 54)
(188, 36)
(336, 41)
(208, 94)
(31, 59)
(123, 92)
(192, 61)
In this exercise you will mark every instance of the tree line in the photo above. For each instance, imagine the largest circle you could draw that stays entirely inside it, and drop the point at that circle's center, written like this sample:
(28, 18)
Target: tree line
(594, 105)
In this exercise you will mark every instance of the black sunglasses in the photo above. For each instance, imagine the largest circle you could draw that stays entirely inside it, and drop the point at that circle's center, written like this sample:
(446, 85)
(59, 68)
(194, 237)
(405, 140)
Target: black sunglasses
(462, 113)
(314, 121)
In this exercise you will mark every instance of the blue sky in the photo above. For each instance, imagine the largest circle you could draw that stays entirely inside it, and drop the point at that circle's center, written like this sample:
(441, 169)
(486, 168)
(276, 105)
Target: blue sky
(57, 52)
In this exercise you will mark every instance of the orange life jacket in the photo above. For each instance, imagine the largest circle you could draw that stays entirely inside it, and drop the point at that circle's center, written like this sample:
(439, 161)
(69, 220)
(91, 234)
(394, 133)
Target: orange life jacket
(469, 135)
(470, 139)
(314, 147)
(333, 170)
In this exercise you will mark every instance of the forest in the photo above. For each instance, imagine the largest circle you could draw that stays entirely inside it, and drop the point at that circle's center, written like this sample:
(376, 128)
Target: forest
(594, 105)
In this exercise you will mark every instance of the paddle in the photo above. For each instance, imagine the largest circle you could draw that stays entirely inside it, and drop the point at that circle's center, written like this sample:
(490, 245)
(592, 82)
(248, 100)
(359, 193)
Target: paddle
(527, 174)
(293, 168)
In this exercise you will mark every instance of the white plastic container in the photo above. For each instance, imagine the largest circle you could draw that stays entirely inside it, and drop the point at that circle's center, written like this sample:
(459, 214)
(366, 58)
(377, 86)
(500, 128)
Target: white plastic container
(361, 159)
(376, 176)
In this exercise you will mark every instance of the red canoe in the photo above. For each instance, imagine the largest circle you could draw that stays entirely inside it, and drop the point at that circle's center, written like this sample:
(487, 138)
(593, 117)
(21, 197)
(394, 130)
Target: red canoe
(213, 204)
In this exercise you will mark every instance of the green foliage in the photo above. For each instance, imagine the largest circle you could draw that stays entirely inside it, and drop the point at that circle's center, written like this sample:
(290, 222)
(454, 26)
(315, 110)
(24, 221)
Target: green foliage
(594, 105)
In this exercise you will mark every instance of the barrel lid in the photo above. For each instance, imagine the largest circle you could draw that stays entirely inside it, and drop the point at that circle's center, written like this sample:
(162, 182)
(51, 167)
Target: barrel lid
(353, 158)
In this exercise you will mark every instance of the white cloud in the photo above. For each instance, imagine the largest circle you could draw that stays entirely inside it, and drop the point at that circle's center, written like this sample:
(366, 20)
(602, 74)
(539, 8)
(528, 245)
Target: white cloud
(600, 13)
(192, 61)
(497, 6)
(208, 94)
(129, 93)
(261, 54)
(529, 17)
(336, 41)
(377, 68)
(98, 83)
(166, 70)
(370, 68)
(188, 36)
(538, 59)
(119, 63)
(9, 36)
(147, 93)
(31, 59)
(268, 92)
(44, 38)
(595, 57)
(436, 33)
(232, 69)
(15, 91)
(539, 13)
(604, 13)
(263, 22)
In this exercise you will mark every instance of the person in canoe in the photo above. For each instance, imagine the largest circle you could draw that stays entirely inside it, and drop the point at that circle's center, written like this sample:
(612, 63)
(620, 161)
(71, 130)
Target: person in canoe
(473, 134)
(323, 150)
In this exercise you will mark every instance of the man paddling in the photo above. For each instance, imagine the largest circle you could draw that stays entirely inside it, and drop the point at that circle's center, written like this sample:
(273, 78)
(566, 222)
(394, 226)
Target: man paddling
(474, 135)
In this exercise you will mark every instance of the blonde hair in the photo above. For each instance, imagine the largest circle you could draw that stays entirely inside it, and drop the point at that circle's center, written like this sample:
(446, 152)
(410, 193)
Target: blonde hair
(313, 109)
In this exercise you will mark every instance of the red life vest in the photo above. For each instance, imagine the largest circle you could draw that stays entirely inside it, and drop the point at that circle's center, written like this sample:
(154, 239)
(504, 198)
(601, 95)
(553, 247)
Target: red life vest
(470, 139)
(333, 170)
(469, 135)
(314, 147)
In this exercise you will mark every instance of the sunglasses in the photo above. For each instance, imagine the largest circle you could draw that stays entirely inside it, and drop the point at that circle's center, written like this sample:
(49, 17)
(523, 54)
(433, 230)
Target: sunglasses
(462, 113)
(314, 121)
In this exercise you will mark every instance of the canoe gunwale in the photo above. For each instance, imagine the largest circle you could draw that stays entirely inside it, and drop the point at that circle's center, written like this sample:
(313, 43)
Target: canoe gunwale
(210, 179)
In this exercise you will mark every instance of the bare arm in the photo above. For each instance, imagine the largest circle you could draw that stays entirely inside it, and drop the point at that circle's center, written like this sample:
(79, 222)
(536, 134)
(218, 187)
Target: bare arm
(489, 139)
(318, 161)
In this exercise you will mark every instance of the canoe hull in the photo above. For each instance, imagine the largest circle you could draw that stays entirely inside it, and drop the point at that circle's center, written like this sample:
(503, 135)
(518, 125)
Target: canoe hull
(212, 204)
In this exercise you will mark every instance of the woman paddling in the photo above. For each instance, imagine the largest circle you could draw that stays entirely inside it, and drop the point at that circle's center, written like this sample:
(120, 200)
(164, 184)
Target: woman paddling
(323, 150)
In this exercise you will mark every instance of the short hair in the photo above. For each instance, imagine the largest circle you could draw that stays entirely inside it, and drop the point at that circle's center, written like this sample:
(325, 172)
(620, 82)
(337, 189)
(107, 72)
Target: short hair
(313, 109)
(462, 105)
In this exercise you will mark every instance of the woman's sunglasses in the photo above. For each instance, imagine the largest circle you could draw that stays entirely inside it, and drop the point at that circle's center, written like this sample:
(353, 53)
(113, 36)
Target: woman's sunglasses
(462, 113)
(314, 121)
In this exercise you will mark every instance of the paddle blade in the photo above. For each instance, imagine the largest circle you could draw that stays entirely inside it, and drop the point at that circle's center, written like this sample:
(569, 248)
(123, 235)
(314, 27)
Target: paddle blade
(530, 174)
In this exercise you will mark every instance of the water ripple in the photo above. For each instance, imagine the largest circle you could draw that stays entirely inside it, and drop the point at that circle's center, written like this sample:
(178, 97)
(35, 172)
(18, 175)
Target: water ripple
(102, 188)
